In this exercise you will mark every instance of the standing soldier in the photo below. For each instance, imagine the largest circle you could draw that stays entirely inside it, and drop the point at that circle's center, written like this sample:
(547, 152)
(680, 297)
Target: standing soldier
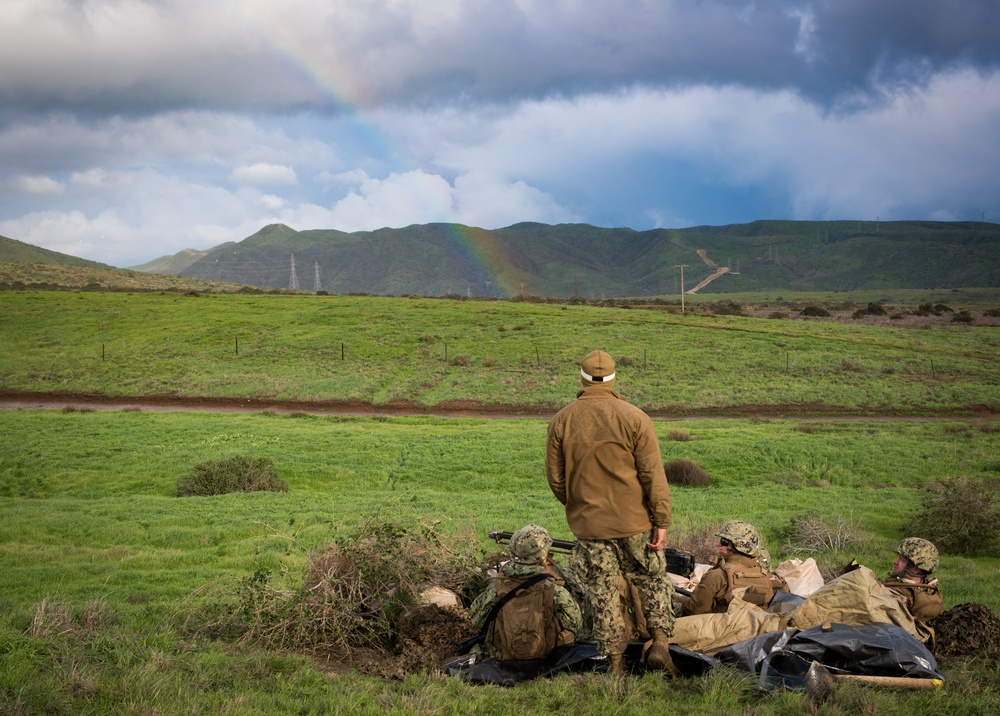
(603, 462)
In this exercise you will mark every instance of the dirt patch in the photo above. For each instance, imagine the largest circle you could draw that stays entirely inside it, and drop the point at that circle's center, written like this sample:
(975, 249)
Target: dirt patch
(19, 400)
(967, 630)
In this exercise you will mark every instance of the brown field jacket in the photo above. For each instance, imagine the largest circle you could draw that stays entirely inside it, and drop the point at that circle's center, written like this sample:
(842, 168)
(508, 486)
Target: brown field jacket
(603, 462)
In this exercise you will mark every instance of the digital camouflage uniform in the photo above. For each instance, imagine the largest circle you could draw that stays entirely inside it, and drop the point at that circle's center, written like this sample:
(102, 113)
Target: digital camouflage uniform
(602, 564)
(529, 549)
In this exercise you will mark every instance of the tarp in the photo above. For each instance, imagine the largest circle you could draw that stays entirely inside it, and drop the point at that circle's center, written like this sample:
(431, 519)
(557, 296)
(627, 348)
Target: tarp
(779, 659)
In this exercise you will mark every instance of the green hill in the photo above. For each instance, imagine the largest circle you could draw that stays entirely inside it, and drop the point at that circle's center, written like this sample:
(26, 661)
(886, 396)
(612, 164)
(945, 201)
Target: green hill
(582, 260)
(172, 265)
(14, 251)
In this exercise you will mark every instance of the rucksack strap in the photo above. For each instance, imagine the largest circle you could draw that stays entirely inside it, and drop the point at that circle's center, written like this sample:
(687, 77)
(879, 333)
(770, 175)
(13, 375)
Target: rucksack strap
(510, 595)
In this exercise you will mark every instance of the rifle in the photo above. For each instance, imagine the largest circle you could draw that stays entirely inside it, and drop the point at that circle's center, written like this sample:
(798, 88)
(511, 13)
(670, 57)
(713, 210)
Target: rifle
(679, 563)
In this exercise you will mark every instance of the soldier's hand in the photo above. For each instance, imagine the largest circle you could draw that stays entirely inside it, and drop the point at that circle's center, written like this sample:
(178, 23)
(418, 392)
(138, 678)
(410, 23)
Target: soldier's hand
(659, 538)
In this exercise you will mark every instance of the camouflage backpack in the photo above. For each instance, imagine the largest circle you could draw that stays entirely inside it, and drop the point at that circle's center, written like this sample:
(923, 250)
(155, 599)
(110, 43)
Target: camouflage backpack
(526, 626)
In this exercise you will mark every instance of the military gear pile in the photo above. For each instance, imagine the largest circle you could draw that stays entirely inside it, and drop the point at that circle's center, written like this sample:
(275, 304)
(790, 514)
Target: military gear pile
(920, 552)
(530, 544)
(743, 535)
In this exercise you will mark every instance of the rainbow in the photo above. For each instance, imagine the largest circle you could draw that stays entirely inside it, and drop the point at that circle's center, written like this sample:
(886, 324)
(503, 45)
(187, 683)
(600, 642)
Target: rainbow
(473, 249)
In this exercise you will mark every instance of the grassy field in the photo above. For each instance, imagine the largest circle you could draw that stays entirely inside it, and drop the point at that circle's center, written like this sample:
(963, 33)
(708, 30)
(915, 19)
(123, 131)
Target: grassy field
(101, 564)
(101, 561)
(433, 351)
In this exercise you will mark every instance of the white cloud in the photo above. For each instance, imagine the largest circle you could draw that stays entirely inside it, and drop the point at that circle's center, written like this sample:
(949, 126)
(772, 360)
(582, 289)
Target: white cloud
(261, 174)
(40, 185)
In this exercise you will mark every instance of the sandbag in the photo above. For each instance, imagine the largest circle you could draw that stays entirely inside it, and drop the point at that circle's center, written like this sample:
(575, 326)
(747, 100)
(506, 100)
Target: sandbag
(689, 583)
(707, 633)
(802, 577)
(856, 598)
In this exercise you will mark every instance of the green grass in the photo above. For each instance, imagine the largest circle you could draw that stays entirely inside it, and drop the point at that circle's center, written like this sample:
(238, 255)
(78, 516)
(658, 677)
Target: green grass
(381, 350)
(89, 522)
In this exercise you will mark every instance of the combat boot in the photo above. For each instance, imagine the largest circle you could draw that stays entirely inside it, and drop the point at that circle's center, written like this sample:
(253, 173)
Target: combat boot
(616, 664)
(658, 657)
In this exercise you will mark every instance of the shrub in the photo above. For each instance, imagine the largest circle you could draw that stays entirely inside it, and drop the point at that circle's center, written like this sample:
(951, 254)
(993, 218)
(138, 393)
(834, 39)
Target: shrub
(625, 361)
(852, 366)
(815, 312)
(234, 474)
(460, 361)
(701, 541)
(727, 308)
(679, 436)
(352, 596)
(686, 473)
(872, 309)
(992, 313)
(489, 362)
(962, 317)
(814, 533)
(778, 314)
(960, 516)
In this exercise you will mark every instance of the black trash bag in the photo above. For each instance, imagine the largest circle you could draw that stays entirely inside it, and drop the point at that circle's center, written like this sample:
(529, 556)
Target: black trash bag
(781, 659)
(571, 658)
(784, 602)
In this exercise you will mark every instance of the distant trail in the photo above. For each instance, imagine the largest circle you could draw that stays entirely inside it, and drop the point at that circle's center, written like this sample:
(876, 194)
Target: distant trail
(16, 400)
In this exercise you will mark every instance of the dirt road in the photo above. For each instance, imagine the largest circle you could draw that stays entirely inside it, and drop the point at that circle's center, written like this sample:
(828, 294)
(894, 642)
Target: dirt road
(16, 400)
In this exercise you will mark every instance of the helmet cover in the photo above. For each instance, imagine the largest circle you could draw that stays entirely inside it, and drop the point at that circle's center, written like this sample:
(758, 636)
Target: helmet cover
(743, 535)
(530, 544)
(922, 553)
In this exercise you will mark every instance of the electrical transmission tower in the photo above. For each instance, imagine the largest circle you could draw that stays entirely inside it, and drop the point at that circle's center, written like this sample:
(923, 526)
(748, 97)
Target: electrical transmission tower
(293, 280)
(316, 285)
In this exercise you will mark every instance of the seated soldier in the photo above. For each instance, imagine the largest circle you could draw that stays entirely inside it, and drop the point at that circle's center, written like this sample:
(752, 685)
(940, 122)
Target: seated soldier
(739, 549)
(526, 611)
(910, 579)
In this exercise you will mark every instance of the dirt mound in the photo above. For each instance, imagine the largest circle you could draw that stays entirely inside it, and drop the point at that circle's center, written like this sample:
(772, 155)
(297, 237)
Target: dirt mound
(967, 629)
(426, 636)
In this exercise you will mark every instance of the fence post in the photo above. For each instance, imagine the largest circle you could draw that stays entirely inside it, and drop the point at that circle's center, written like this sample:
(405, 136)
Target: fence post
(538, 360)
(237, 345)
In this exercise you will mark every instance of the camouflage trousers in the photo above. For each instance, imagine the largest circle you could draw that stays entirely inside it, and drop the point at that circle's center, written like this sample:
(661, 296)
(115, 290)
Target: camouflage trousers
(601, 564)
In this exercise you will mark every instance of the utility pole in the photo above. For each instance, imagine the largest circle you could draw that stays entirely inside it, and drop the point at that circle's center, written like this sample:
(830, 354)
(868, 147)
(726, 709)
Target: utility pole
(317, 287)
(488, 288)
(293, 280)
(576, 285)
(681, 267)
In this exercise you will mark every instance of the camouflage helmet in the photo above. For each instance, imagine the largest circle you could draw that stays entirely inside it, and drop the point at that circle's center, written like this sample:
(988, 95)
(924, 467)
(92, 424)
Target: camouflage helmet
(920, 552)
(530, 544)
(743, 535)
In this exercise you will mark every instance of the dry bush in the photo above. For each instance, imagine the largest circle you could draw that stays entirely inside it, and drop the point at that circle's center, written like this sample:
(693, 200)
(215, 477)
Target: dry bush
(460, 361)
(778, 314)
(701, 541)
(240, 473)
(814, 311)
(814, 533)
(686, 473)
(625, 362)
(679, 436)
(851, 365)
(805, 428)
(488, 362)
(960, 516)
(60, 619)
(352, 594)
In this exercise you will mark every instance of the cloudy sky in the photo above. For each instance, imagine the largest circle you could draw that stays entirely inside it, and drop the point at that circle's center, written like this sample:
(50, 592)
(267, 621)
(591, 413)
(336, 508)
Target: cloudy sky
(131, 129)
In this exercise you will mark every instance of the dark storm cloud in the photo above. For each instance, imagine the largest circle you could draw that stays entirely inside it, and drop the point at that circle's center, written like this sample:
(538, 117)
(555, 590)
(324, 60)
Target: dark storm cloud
(261, 53)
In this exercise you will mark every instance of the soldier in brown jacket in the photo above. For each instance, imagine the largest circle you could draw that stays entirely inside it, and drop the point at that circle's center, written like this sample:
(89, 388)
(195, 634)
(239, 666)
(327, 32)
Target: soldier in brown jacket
(603, 462)
(911, 581)
(738, 567)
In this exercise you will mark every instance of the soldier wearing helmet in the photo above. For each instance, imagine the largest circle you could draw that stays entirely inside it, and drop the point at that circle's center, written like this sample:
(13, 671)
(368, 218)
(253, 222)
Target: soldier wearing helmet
(910, 579)
(526, 611)
(738, 567)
